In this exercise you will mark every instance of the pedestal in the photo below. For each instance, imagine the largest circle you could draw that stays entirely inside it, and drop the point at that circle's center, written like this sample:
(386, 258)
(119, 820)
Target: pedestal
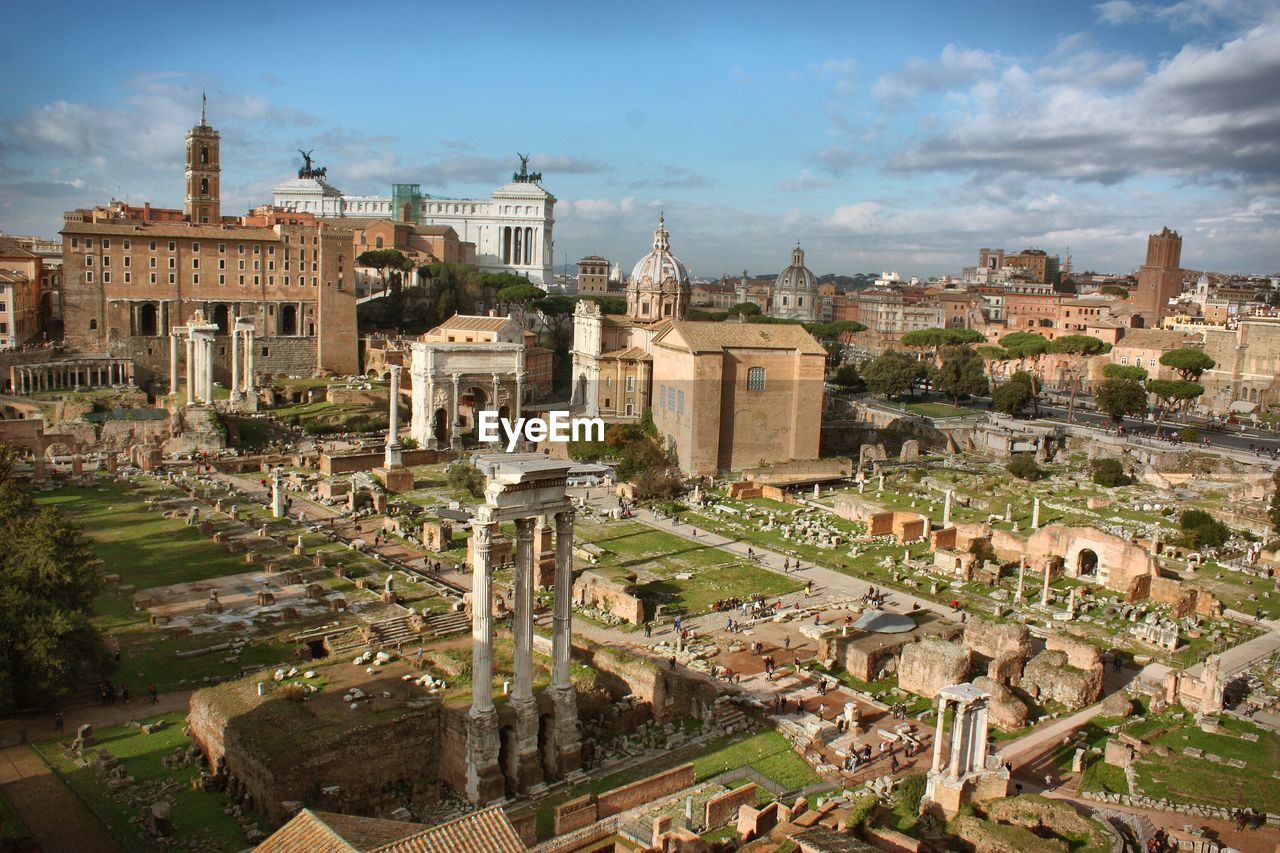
(528, 771)
(484, 778)
(395, 479)
(568, 741)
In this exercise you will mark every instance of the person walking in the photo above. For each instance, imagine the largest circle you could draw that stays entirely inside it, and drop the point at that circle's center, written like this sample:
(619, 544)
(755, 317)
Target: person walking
(155, 698)
(57, 721)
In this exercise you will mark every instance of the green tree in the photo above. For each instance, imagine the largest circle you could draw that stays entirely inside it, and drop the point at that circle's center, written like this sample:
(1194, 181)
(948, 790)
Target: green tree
(47, 588)
(1108, 472)
(1027, 347)
(958, 373)
(462, 476)
(1024, 467)
(1273, 509)
(1013, 397)
(1119, 398)
(991, 355)
(1172, 393)
(892, 374)
(930, 341)
(1116, 291)
(1202, 530)
(1066, 286)
(608, 304)
(848, 378)
(1125, 371)
(1190, 363)
(382, 261)
(746, 309)
(1076, 351)
(521, 294)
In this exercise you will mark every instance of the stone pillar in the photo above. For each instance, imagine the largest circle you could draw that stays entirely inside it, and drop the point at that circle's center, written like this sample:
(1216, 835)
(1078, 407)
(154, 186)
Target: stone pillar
(563, 695)
(1022, 574)
(419, 401)
(1044, 596)
(248, 365)
(484, 779)
(455, 439)
(191, 371)
(277, 496)
(235, 363)
(1035, 514)
(938, 735)
(497, 387)
(173, 363)
(519, 400)
(393, 458)
(980, 744)
(528, 769)
(208, 369)
(960, 733)
(946, 510)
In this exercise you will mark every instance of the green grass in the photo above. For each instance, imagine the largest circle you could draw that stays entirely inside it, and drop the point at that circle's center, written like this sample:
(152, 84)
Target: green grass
(142, 546)
(1182, 778)
(196, 815)
(1100, 776)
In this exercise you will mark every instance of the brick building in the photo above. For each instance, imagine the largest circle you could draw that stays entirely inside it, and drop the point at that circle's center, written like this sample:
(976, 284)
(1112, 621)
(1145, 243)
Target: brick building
(1160, 278)
(131, 274)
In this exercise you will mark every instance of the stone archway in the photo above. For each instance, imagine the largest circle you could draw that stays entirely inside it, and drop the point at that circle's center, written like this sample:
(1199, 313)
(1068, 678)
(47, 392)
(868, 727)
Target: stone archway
(1087, 563)
(441, 427)
(473, 400)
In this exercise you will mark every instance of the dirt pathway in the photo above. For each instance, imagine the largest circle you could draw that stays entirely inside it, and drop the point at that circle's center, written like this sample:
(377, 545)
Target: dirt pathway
(52, 814)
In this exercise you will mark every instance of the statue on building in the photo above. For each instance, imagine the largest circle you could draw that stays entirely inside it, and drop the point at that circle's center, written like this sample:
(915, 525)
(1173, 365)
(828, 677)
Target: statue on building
(524, 176)
(309, 171)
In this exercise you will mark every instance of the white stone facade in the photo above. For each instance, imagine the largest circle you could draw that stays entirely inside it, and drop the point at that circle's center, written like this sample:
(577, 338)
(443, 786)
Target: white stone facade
(511, 230)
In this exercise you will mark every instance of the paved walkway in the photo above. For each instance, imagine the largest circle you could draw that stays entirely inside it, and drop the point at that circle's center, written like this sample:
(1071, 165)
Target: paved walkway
(53, 815)
(1241, 656)
(19, 730)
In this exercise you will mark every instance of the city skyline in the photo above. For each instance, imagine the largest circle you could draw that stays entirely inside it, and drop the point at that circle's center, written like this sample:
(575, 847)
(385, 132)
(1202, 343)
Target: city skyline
(874, 144)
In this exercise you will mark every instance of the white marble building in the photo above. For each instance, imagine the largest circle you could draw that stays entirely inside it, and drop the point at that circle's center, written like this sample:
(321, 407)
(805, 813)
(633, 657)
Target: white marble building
(512, 229)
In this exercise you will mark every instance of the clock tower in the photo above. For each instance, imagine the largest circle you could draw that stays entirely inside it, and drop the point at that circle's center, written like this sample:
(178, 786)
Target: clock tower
(203, 172)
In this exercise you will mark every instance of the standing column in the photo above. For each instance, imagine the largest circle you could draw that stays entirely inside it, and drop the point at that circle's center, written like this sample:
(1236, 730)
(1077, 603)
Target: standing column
(529, 764)
(429, 417)
(1035, 514)
(563, 696)
(191, 370)
(393, 457)
(946, 510)
(235, 363)
(208, 369)
(519, 401)
(979, 750)
(455, 440)
(497, 386)
(484, 780)
(959, 739)
(1044, 596)
(937, 737)
(1022, 573)
(248, 364)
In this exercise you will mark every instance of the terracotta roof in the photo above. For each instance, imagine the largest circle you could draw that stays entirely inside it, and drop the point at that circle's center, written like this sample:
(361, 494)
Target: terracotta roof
(12, 277)
(9, 248)
(713, 337)
(630, 353)
(473, 323)
(484, 831)
(1156, 339)
(327, 832)
(133, 227)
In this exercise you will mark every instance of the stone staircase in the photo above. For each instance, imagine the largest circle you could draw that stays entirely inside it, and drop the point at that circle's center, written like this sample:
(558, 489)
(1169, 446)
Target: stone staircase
(728, 717)
(389, 632)
(443, 624)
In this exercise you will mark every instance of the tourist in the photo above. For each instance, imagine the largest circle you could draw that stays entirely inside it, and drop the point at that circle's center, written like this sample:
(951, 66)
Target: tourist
(786, 643)
(57, 721)
(155, 698)
(124, 693)
(1048, 781)
(893, 763)
(648, 630)
(673, 662)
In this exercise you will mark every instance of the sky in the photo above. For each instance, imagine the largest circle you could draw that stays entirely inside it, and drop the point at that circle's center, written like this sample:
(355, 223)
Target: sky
(879, 136)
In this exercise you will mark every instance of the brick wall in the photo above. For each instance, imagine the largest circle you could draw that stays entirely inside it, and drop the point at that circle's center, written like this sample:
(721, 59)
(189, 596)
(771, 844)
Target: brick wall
(346, 463)
(723, 808)
(645, 790)
(574, 814)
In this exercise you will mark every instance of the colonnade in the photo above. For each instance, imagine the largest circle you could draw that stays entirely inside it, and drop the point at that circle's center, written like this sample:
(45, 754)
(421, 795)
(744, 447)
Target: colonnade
(70, 373)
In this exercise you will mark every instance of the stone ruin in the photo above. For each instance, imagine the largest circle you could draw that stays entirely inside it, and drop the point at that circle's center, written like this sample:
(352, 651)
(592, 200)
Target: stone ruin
(1068, 671)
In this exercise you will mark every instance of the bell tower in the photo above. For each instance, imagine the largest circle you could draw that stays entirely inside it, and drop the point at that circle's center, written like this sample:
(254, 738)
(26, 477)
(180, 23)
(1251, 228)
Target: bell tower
(203, 171)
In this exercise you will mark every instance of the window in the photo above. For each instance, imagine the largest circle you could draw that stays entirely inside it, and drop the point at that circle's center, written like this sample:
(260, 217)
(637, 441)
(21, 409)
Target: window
(88, 242)
(195, 247)
(126, 260)
(257, 249)
(88, 277)
(126, 278)
(195, 263)
(153, 245)
(680, 403)
(126, 244)
(173, 247)
(75, 242)
(153, 276)
(222, 263)
(222, 248)
(755, 379)
(173, 263)
(173, 279)
(106, 278)
(241, 250)
(1124, 359)
(631, 384)
(106, 260)
(93, 324)
(88, 260)
(195, 279)
(106, 242)
(222, 279)
(241, 262)
(153, 263)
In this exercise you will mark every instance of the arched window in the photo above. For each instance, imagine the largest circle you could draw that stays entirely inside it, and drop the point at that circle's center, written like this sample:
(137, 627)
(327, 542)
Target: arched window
(204, 186)
(755, 379)
(377, 243)
(204, 155)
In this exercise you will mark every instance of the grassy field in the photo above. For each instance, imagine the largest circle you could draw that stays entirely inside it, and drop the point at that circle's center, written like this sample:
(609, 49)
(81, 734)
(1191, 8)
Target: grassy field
(140, 545)
(657, 557)
(196, 815)
(1182, 778)
(766, 751)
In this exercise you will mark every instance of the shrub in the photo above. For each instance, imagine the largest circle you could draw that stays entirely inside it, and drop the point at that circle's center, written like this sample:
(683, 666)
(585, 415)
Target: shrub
(1189, 435)
(459, 475)
(910, 792)
(1024, 467)
(293, 692)
(1202, 530)
(1108, 472)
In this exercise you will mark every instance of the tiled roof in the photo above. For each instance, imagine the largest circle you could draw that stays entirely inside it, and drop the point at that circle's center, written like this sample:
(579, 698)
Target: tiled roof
(473, 323)
(712, 337)
(484, 831)
(133, 227)
(327, 832)
(630, 353)
(1155, 339)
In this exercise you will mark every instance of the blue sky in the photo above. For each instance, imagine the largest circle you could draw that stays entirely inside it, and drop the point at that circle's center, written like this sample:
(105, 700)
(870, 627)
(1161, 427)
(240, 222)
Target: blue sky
(880, 136)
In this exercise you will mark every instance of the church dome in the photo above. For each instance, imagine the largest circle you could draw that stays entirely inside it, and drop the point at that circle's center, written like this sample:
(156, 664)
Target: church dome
(660, 266)
(797, 276)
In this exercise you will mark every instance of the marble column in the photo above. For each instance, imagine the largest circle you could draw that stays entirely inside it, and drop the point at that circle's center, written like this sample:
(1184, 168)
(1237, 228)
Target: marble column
(939, 734)
(1035, 515)
(959, 740)
(208, 369)
(946, 510)
(277, 496)
(234, 338)
(980, 745)
(191, 370)
(393, 458)
(248, 364)
(563, 695)
(529, 768)
(455, 439)
(1044, 596)
(484, 779)
(1022, 573)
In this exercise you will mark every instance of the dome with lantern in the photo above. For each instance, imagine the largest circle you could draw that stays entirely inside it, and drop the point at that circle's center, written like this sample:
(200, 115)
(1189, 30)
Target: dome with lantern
(658, 288)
